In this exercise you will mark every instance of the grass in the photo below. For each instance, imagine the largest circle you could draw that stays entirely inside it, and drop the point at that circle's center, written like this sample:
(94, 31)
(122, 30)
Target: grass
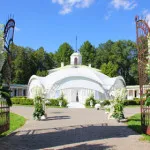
(132, 106)
(16, 121)
(134, 122)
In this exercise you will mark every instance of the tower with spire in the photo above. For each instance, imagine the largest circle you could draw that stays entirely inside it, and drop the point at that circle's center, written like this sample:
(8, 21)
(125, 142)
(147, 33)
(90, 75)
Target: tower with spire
(76, 58)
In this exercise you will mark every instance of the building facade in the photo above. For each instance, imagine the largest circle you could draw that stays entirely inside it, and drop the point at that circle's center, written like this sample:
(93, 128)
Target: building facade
(76, 81)
(18, 90)
(22, 90)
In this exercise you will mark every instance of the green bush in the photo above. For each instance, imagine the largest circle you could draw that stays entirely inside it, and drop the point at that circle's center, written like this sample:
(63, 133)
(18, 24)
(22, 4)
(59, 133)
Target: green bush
(132, 102)
(105, 102)
(38, 111)
(22, 101)
(88, 100)
(63, 100)
(55, 102)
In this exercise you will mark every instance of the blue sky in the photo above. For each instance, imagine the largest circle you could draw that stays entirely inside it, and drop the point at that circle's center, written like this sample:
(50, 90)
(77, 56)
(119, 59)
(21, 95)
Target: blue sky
(49, 23)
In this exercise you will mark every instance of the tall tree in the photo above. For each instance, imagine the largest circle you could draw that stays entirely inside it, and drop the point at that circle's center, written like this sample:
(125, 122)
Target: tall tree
(63, 54)
(88, 53)
(20, 68)
(121, 53)
(124, 54)
(102, 53)
(109, 69)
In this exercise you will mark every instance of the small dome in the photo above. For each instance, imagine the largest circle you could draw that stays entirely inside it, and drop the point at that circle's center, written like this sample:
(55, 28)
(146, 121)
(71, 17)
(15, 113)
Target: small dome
(76, 54)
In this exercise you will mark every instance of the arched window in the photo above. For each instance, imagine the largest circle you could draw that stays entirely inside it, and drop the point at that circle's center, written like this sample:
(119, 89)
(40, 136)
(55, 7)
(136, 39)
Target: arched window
(75, 61)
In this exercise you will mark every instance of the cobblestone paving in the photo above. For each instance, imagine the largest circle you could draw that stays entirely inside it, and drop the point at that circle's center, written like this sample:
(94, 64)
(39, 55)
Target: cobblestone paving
(73, 129)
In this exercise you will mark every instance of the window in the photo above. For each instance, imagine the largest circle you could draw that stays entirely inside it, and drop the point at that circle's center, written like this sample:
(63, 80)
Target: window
(130, 92)
(135, 93)
(15, 92)
(24, 92)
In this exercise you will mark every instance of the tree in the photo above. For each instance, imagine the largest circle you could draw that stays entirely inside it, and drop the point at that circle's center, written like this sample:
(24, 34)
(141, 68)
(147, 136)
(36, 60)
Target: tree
(121, 53)
(102, 53)
(42, 73)
(40, 58)
(88, 53)
(109, 69)
(20, 66)
(63, 54)
(124, 54)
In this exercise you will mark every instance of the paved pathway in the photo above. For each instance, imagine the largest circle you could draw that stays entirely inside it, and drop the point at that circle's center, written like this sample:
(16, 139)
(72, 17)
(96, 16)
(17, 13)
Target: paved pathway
(77, 129)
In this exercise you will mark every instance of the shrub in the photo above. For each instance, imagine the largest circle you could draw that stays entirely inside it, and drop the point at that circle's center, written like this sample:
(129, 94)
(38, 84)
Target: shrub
(132, 102)
(105, 102)
(38, 112)
(88, 100)
(55, 102)
(22, 101)
(63, 100)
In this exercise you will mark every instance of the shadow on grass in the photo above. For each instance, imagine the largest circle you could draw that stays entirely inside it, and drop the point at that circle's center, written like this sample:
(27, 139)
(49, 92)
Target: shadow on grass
(134, 122)
(52, 137)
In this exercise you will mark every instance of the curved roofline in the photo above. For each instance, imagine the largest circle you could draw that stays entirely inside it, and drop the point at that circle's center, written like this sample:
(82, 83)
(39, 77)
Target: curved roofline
(34, 77)
(105, 91)
(116, 79)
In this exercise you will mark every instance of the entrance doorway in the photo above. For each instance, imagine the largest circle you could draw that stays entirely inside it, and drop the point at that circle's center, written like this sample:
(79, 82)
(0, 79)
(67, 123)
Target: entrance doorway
(74, 95)
(77, 98)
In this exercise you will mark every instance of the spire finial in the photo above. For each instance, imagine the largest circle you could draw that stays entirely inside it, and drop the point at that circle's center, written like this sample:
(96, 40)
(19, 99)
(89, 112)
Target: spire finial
(76, 43)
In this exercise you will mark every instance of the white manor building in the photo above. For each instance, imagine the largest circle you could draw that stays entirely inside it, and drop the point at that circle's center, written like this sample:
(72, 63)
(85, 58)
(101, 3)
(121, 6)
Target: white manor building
(76, 81)
(133, 91)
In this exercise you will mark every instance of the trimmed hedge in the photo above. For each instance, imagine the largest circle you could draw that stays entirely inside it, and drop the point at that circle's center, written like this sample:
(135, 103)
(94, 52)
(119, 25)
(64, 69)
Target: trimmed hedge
(55, 102)
(28, 101)
(136, 101)
(22, 100)
(132, 102)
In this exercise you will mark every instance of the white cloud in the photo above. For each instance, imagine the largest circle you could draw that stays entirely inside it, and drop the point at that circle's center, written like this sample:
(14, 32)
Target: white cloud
(68, 5)
(146, 14)
(125, 4)
(17, 29)
(119, 4)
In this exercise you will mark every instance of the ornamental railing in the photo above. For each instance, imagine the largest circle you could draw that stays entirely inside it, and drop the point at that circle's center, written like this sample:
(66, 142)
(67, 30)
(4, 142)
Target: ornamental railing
(4, 116)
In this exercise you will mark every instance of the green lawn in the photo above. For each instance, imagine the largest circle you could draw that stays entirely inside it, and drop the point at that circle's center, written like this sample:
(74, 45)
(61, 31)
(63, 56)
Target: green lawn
(132, 106)
(16, 121)
(134, 122)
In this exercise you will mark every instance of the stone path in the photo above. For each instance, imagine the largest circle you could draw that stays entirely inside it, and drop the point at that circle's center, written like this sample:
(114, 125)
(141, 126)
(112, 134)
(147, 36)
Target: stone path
(77, 129)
